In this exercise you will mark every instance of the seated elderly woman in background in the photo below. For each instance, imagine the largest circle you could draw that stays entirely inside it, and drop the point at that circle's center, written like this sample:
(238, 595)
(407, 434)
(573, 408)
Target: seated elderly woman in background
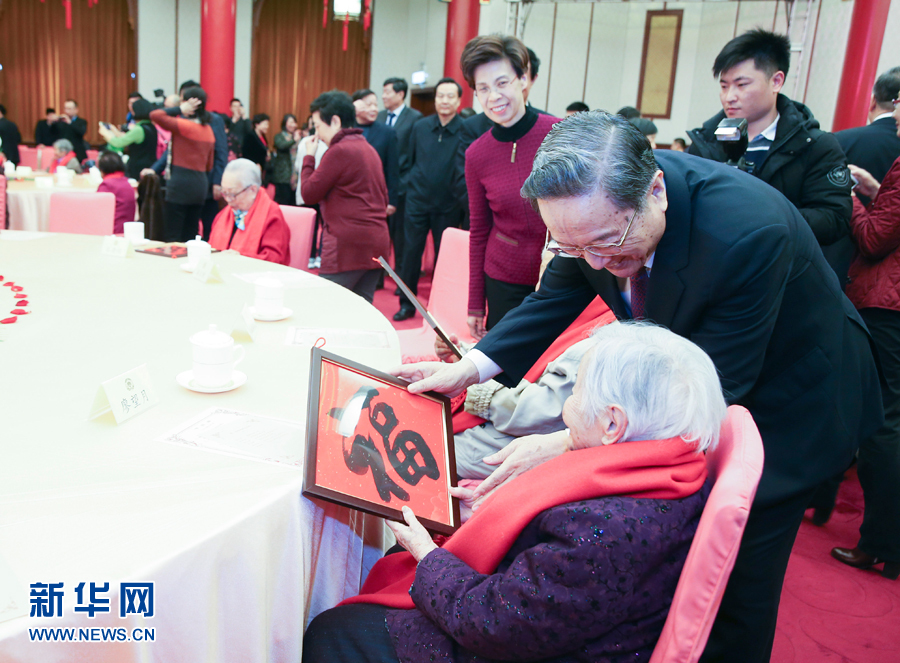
(64, 156)
(252, 224)
(576, 559)
(114, 181)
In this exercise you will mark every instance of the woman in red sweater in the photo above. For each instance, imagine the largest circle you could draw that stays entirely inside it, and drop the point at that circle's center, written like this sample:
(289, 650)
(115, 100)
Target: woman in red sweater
(506, 234)
(191, 158)
(349, 186)
(873, 289)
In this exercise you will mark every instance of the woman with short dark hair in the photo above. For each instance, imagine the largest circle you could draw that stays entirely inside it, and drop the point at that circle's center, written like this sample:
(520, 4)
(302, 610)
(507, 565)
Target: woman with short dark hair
(256, 145)
(114, 181)
(283, 161)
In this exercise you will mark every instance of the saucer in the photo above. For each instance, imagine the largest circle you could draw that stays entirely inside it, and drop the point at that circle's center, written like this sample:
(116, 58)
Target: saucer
(186, 380)
(285, 313)
(187, 267)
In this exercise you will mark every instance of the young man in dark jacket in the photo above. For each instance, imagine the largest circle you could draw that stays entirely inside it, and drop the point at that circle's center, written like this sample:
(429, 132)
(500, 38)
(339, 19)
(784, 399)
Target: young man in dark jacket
(787, 149)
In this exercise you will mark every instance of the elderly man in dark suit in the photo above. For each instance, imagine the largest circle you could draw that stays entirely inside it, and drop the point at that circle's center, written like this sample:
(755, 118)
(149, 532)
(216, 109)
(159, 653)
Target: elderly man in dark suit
(73, 128)
(382, 138)
(875, 146)
(723, 260)
(401, 119)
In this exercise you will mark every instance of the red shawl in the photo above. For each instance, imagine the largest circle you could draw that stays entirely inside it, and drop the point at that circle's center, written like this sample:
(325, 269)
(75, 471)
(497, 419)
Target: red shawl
(666, 469)
(265, 236)
(56, 163)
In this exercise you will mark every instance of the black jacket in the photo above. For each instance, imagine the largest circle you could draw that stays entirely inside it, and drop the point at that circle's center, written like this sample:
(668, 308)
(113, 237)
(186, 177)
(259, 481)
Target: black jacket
(74, 132)
(46, 134)
(403, 128)
(873, 147)
(808, 166)
(749, 285)
(384, 139)
(254, 149)
(10, 137)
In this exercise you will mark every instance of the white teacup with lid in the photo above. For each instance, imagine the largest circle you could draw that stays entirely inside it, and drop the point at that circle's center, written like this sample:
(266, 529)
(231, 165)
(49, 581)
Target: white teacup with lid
(197, 250)
(269, 301)
(134, 231)
(215, 356)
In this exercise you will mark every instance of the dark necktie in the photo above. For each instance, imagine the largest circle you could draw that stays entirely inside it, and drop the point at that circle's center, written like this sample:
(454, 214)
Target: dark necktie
(638, 293)
(391, 118)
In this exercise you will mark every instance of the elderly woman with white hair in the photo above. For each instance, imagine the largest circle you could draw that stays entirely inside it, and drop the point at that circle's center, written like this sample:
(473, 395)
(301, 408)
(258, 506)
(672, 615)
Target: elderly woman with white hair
(64, 156)
(252, 224)
(578, 558)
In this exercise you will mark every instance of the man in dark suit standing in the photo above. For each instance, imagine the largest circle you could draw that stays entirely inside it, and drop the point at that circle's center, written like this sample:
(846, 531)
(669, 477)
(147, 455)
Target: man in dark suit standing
(723, 260)
(9, 137)
(46, 131)
(73, 128)
(401, 119)
(875, 146)
(382, 138)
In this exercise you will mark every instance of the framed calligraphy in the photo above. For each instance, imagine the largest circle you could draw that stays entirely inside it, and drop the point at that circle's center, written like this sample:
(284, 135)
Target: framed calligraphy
(373, 446)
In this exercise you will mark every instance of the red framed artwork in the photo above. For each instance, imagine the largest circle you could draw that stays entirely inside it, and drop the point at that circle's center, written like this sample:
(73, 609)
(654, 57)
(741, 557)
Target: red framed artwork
(373, 446)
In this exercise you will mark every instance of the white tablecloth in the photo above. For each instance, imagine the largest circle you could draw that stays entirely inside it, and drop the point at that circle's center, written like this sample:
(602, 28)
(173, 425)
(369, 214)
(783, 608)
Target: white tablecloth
(29, 206)
(240, 560)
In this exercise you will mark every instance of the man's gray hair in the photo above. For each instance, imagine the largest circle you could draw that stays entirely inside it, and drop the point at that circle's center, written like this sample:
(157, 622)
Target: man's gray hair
(591, 151)
(246, 171)
(667, 385)
(63, 145)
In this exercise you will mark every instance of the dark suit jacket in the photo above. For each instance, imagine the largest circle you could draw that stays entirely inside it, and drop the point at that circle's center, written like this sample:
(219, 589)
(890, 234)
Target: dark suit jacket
(873, 147)
(254, 149)
(403, 128)
(384, 140)
(738, 272)
(220, 160)
(9, 134)
(74, 133)
(46, 134)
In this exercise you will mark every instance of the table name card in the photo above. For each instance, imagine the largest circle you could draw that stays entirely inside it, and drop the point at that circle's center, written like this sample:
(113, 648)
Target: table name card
(206, 271)
(245, 326)
(117, 247)
(127, 395)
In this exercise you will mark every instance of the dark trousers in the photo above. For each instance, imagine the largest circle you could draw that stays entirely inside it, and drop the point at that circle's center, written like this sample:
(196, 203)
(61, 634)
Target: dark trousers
(355, 632)
(398, 237)
(744, 629)
(317, 239)
(208, 215)
(285, 195)
(416, 229)
(502, 297)
(879, 456)
(181, 221)
(360, 281)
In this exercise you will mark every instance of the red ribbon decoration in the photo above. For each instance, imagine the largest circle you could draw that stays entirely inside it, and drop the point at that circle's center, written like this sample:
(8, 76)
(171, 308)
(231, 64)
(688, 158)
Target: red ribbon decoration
(346, 29)
(324, 14)
(9, 321)
(367, 17)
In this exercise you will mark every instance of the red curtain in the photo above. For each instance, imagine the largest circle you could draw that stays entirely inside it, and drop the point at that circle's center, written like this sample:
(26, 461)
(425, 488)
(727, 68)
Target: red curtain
(295, 59)
(44, 63)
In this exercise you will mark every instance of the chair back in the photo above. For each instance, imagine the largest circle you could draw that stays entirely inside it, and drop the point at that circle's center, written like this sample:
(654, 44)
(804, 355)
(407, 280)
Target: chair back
(449, 299)
(735, 467)
(93, 155)
(46, 154)
(301, 222)
(28, 157)
(3, 219)
(82, 213)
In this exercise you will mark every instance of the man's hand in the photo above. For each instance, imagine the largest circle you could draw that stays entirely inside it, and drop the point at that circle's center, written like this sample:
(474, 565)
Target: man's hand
(217, 192)
(443, 351)
(66, 119)
(447, 379)
(476, 326)
(868, 185)
(465, 497)
(518, 457)
(391, 209)
(412, 536)
(312, 145)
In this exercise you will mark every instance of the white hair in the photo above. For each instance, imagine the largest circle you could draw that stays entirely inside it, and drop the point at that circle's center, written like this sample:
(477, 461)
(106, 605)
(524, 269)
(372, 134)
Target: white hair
(246, 171)
(667, 386)
(63, 145)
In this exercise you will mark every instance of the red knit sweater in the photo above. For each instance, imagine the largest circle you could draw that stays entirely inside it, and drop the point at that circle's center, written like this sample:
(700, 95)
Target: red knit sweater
(506, 234)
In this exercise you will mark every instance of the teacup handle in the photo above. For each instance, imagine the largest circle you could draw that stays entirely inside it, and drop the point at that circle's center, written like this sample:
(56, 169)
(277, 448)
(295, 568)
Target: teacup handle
(238, 348)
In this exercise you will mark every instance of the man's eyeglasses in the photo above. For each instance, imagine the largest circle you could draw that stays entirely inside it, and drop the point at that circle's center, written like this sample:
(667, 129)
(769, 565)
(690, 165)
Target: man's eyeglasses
(231, 196)
(599, 250)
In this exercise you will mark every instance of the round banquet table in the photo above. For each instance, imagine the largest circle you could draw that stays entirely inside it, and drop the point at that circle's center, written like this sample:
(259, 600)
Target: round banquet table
(29, 206)
(240, 560)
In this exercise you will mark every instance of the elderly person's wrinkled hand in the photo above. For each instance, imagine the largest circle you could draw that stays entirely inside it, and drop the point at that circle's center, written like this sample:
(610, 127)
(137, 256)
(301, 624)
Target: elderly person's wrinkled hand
(867, 184)
(443, 351)
(518, 457)
(447, 379)
(412, 536)
(466, 497)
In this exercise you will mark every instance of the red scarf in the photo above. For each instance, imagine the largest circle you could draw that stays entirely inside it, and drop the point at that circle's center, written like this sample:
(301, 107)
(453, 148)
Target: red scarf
(61, 162)
(595, 315)
(654, 469)
(254, 223)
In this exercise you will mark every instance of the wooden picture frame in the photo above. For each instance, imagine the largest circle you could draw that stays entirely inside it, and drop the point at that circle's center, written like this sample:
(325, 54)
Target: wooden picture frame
(659, 62)
(373, 446)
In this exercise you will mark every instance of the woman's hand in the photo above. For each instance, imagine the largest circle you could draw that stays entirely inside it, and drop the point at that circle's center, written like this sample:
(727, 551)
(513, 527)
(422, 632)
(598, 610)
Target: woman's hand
(868, 185)
(188, 106)
(412, 536)
(390, 210)
(148, 171)
(105, 133)
(476, 326)
(466, 497)
(518, 457)
(443, 351)
(312, 145)
(448, 379)
(297, 136)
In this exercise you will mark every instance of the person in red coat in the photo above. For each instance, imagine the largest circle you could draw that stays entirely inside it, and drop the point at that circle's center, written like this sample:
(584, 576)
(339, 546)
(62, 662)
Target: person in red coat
(874, 277)
(350, 188)
(252, 224)
(114, 181)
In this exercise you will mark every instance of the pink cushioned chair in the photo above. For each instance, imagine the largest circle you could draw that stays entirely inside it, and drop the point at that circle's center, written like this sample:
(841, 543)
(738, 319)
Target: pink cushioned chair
(449, 300)
(735, 466)
(46, 155)
(28, 157)
(301, 221)
(82, 213)
(93, 155)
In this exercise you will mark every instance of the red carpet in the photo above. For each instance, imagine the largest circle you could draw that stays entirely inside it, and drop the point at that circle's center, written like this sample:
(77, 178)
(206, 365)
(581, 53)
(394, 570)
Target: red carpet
(829, 612)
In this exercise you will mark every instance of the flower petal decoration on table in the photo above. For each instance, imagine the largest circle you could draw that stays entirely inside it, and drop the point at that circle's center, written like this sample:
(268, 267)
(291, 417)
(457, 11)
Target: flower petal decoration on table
(20, 295)
(19, 311)
(9, 283)
(22, 302)
(17, 288)
(9, 321)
